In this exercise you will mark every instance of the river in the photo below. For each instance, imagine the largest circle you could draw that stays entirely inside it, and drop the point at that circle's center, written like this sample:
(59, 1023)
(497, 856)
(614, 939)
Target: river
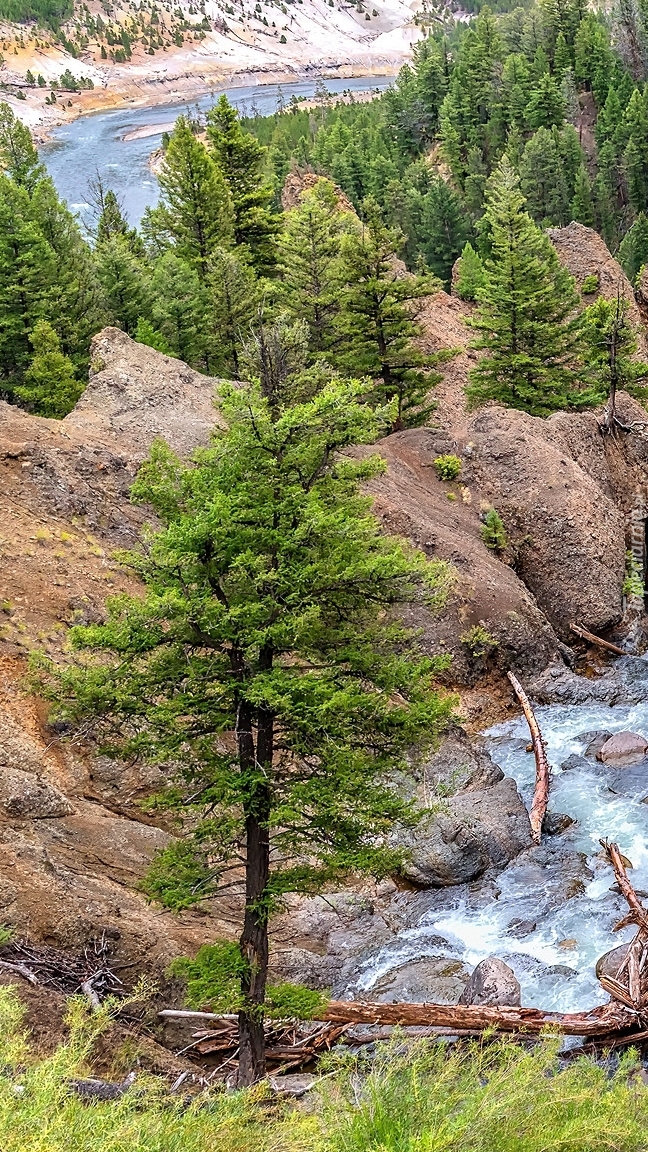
(98, 143)
(565, 889)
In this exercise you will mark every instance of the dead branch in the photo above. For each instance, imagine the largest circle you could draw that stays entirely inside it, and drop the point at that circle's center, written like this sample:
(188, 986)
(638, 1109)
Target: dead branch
(592, 639)
(101, 1089)
(637, 911)
(628, 985)
(90, 994)
(21, 969)
(542, 781)
(178, 1014)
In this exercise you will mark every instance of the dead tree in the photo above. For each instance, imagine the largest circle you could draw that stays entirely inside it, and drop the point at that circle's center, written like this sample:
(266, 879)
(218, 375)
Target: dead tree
(630, 984)
(542, 781)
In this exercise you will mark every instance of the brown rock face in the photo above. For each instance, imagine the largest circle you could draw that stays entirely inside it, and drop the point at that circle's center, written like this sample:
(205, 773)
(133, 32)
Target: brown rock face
(492, 982)
(623, 748)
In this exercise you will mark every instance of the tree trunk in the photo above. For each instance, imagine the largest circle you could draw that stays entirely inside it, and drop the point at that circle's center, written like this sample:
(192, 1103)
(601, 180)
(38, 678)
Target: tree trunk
(542, 783)
(254, 937)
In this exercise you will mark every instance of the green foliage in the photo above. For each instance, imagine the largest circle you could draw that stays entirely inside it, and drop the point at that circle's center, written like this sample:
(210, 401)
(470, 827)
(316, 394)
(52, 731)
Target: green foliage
(478, 641)
(48, 13)
(471, 276)
(611, 341)
(145, 333)
(213, 977)
(6, 934)
(240, 160)
(633, 584)
(196, 213)
(526, 309)
(268, 613)
(590, 285)
(448, 467)
(213, 983)
(50, 386)
(376, 323)
(493, 532)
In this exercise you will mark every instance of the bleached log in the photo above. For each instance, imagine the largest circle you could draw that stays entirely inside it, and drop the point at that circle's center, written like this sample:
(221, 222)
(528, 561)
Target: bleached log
(542, 781)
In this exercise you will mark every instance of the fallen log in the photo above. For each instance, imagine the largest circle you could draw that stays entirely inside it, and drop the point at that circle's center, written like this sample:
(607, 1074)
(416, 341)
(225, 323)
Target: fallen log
(593, 639)
(608, 1019)
(629, 984)
(542, 781)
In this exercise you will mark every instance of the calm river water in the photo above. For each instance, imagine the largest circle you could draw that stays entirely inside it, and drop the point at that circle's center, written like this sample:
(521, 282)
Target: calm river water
(95, 143)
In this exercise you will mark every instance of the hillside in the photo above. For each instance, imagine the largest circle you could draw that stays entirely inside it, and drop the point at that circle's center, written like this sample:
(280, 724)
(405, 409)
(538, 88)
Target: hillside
(159, 52)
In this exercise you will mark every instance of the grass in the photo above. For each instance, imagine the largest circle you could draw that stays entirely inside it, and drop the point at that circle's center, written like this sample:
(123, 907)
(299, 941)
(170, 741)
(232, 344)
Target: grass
(410, 1097)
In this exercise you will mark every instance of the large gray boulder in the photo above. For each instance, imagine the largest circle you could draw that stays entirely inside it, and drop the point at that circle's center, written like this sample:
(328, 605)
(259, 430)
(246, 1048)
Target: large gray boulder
(476, 830)
(492, 983)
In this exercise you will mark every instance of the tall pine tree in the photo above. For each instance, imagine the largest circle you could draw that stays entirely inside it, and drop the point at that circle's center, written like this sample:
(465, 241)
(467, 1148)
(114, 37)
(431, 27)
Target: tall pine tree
(525, 319)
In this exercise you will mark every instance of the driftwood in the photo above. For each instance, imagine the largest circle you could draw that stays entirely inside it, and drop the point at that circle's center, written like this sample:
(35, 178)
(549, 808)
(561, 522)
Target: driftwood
(101, 1089)
(541, 790)
(630, 983)
(603, 1021)
(592, 639)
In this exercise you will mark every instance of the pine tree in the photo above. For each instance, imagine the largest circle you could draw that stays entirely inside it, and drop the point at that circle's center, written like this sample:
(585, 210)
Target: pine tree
(471, 275)
(582, 206)
(563, 57)
(542, 179)
(611, 342)
(27, 280)
(633, 250)
(179, 303)
(525, 318)
(50, 386)
(18, 156)
(443, 227)
(275, 353)
(263, 670)
(196, 209)
(309, 255)
(546, 106)
(240, 158)
(124, 280)
(376, 323)
(112, 222)
(234, 295)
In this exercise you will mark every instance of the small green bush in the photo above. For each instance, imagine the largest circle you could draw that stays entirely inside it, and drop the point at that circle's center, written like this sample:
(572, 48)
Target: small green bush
(213, 981)
(590, 285)
(633, 584)
(478, 641)
(493, 532)
(448, 467)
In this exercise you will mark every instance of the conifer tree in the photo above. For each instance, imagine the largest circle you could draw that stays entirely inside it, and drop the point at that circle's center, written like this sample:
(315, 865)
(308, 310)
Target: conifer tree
(50, 386)
(582, 206)
(376, 323)
(546, 106)
(633, 250)
(196, 210)
(309, 255)
(18, 156)
(525, 320)
(179, 303)
(275, 353)
(240, 158)
(145, 333)
(124, 280)
(611, 342)
(28, 273)
(233, 304)
(542, 179)
(442, 226)
(263, 672)
(112, 222)
(471, 275)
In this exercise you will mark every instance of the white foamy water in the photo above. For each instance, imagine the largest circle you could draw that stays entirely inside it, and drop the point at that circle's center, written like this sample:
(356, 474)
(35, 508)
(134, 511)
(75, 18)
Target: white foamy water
(574, 911)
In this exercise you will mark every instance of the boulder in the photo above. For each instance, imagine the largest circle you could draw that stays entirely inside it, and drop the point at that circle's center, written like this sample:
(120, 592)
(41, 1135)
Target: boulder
(477, 830)
(493, 983)
(556, 822)
(623, 748)
(609, 963)
(430, 979)
(594, 741)
(521, 928)
(24, 796)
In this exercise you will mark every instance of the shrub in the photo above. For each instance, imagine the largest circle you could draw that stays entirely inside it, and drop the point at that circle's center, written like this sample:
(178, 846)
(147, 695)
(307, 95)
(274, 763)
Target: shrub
(493, 532)
(478, 641)
(590, 285)
(633, 584)
(447, 467)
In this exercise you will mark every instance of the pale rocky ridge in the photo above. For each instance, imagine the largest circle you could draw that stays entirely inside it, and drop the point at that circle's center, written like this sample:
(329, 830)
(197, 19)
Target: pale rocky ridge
(73, 844)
